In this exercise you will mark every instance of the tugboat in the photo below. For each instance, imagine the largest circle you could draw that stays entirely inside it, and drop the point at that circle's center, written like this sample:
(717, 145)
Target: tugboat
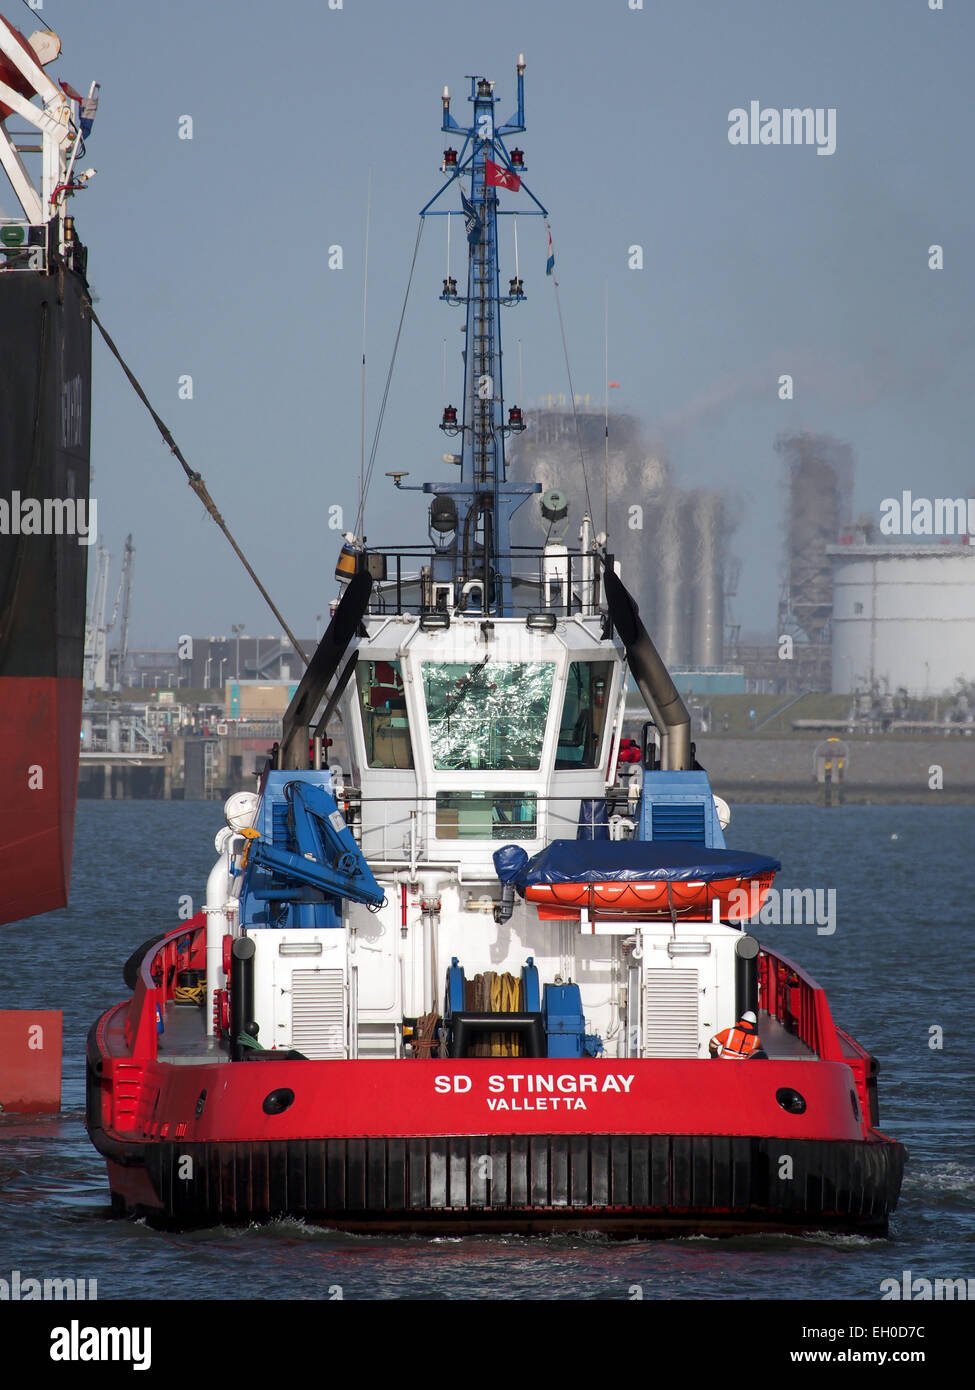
(497, 886)
(45, 520)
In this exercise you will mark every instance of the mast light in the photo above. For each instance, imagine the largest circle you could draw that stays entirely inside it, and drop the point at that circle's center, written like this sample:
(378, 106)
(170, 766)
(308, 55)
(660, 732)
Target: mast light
(443, 514)
(554, 504)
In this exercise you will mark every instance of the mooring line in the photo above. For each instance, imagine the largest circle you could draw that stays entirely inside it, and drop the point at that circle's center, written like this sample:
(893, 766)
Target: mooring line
(194, 479)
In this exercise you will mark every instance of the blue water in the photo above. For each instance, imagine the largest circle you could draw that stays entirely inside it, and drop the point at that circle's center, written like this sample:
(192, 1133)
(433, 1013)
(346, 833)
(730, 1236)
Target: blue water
(896, 966)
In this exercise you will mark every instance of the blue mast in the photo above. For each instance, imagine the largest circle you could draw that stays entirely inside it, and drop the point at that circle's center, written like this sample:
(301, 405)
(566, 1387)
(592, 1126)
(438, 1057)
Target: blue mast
(482, 503)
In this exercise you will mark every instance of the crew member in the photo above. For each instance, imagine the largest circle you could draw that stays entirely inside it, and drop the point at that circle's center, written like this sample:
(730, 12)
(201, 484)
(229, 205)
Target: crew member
(739, 1043)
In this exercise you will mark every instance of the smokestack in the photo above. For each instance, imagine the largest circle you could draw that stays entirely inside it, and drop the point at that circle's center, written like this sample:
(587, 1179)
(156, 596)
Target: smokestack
(708, 581)
(668, 554)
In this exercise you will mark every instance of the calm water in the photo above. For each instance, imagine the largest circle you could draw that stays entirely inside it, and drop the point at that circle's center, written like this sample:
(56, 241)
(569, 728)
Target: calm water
(896, 966)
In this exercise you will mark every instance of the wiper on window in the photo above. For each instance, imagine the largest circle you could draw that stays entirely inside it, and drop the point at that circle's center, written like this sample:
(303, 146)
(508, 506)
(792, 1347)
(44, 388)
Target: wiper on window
(466, 685)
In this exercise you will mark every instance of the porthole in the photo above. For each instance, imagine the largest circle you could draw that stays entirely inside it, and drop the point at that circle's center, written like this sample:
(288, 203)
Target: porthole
(790, 1100)
(275, 1102)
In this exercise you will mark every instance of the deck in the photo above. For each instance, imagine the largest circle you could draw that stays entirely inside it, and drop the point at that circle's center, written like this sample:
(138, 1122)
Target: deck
(780, 1044)
(183, 1041)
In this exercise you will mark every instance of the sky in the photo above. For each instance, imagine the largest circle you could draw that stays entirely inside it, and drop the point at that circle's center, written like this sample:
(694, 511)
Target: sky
(209, 258)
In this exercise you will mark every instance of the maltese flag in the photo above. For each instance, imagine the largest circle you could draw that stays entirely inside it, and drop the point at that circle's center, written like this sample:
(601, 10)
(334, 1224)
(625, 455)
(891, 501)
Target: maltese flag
(499, 177)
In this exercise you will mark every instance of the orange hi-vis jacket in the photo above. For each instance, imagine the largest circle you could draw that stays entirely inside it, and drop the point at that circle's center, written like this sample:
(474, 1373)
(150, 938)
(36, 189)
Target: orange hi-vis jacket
(737, 1044)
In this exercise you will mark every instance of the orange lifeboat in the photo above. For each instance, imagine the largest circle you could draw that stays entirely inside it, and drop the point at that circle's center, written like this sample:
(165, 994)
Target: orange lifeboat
(740, 899)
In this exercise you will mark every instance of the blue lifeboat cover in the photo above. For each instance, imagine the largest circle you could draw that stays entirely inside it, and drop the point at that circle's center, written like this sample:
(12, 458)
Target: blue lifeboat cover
(627, 861)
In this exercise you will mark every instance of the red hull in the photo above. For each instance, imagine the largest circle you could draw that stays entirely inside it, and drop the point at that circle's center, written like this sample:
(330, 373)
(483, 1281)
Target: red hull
(373, 1145)
(376, 1099)
(40, 720)
(628, 1146)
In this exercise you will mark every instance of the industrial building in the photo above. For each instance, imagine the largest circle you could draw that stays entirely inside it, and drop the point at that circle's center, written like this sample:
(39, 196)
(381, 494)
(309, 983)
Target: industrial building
(257, 699)
(820, 484)
(903, 617)
(216, 660)
(213, 662)
(671, 543)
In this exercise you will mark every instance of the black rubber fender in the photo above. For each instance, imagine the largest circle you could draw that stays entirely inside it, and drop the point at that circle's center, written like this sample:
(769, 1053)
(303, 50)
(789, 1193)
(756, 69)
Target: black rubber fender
(130, 970)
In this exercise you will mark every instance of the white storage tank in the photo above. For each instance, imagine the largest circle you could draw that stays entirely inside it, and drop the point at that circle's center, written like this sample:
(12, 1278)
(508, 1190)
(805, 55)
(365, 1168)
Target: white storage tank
(903, 616)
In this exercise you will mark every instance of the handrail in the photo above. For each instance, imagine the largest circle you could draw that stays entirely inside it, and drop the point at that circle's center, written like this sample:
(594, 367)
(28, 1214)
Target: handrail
(555, 581)
(787, 993)
(152, 993)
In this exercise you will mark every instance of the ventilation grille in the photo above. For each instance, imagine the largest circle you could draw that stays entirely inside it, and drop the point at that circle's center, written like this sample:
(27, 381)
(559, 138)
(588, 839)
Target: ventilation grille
(318, 1013)
(279, 824)
(678, 820)
(671, 1013)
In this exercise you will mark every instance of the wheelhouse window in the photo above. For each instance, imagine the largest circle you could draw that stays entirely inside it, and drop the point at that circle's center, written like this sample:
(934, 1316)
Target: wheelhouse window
(584, 712)
(385, 723)
(486, 816)
(488, 716)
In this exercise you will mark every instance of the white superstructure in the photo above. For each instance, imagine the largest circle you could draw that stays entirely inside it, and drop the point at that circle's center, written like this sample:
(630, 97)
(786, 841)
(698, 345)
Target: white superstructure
(466, 735)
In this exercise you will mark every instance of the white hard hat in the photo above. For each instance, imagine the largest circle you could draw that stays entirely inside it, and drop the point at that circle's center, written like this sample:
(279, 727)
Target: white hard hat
(749, 1017)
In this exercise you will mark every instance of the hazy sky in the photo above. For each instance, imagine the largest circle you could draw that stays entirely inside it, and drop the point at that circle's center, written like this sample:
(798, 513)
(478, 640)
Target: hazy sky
(209, 257)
